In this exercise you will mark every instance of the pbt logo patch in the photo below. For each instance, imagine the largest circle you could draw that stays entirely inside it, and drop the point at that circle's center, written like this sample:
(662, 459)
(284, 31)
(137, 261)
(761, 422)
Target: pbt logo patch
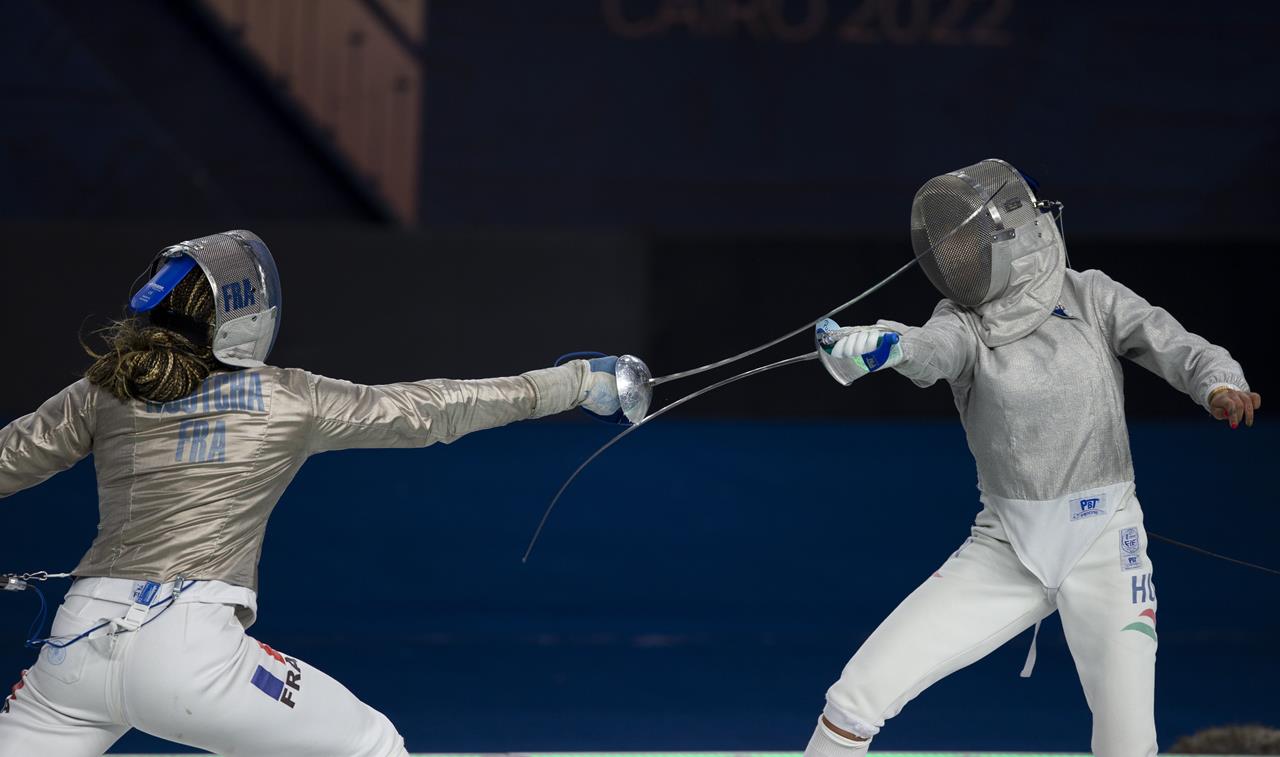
(237, 295)
(1088, 507)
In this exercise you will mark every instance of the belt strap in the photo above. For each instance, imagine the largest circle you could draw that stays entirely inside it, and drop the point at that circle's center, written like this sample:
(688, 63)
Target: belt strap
(144, 599)
(138, 611)
(1031, 654)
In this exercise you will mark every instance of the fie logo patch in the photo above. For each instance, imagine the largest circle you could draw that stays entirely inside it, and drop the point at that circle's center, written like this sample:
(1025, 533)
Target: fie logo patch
(1130, 548)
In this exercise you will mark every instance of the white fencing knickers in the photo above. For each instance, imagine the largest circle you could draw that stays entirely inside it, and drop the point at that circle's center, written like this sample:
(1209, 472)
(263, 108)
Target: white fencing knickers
(982, 597)
(191, 676)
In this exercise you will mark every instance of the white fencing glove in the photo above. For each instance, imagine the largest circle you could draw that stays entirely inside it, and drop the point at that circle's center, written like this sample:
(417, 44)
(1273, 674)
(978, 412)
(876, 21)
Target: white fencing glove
(602, 391)
(601, 402)
(848, 354)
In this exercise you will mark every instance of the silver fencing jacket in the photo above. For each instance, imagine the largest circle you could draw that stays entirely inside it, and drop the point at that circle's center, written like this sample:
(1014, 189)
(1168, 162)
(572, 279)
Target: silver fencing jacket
(1036, 376)
(185, 487)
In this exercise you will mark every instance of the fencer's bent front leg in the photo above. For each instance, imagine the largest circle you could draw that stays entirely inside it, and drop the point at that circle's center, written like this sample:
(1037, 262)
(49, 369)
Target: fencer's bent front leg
(978, 600)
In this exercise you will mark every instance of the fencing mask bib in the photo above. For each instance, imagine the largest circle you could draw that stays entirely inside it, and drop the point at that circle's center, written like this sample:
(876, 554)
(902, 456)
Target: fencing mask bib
(246, 289)
(958, 223)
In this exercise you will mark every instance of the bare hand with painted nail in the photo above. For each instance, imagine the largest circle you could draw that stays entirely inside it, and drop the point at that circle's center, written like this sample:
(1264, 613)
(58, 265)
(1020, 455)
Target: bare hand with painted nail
(1231, 405)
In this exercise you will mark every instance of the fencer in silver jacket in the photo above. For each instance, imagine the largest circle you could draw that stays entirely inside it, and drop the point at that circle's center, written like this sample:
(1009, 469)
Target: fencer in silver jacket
(1037, 378)
(1032, 351)
(194, 439)
(185, 487)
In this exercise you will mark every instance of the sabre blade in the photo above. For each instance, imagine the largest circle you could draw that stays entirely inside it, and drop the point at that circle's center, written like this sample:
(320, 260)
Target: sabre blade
(720, 363)
(735, 358)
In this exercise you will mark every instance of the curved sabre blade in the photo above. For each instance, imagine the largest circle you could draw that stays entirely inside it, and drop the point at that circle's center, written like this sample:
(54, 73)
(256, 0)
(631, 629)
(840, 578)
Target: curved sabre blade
(833, 313)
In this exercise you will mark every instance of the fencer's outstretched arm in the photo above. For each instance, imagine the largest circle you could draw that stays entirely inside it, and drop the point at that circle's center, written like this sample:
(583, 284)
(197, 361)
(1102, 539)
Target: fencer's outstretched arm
(53, 438)
(942, 349)
(419, 413)
(1152, 338)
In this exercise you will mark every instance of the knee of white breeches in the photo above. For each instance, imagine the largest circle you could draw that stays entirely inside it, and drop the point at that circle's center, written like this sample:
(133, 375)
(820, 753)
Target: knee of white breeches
(827, 743)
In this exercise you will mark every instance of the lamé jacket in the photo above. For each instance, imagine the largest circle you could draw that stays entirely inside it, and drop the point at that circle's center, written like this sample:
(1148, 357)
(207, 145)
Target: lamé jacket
(1037, 379)
(185, 488)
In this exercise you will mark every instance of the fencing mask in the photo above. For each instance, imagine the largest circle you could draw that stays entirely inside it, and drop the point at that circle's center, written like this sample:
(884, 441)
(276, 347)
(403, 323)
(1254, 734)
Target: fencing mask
(964, 216)
(246, 289)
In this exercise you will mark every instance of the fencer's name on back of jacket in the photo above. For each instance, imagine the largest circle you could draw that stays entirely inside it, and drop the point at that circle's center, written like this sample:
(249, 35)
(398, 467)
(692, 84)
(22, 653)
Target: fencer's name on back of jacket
(197, 440)
(238, 391)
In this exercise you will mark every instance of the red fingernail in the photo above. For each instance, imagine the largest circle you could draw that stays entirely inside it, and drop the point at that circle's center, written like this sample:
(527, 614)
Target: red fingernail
(1234, 424)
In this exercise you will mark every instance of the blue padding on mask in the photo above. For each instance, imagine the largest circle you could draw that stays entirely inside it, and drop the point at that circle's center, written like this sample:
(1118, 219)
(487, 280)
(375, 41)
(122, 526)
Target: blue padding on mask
(1031, 182)
(173, 271)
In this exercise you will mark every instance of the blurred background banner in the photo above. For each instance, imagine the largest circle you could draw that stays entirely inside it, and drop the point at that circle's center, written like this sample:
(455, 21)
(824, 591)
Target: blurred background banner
(484, 185)
(761, 115)
(828, 114)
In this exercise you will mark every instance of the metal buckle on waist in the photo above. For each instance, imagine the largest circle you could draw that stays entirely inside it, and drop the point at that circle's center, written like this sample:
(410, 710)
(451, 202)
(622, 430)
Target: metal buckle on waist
(143, 602)
(138, 611)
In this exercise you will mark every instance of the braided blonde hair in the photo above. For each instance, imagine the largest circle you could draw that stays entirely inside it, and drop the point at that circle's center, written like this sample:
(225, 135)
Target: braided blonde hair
(144, 361)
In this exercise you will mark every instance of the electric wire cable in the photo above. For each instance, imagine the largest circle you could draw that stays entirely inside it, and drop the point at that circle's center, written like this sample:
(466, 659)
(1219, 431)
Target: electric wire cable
(1215, 555)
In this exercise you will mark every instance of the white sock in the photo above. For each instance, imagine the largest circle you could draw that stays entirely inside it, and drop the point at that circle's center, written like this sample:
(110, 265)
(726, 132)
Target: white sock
(827, 743)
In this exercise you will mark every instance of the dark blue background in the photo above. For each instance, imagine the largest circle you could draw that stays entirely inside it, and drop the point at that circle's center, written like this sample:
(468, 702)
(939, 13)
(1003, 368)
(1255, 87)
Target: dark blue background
(679, 194)
(1147, 117)
(702, 585)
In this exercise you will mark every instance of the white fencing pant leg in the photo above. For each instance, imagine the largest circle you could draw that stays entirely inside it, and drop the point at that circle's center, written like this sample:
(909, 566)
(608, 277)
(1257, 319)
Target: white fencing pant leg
(979, 599)
(57, 708)
(31, 723)
(1108, 607)
(195, 677)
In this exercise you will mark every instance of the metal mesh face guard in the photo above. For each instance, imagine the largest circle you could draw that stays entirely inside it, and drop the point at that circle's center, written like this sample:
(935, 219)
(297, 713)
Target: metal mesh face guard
(960, 263)
(246, 288)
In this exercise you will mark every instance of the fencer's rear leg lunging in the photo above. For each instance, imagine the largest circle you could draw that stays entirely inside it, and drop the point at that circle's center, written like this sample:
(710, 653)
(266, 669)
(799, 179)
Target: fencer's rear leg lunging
(979, 599)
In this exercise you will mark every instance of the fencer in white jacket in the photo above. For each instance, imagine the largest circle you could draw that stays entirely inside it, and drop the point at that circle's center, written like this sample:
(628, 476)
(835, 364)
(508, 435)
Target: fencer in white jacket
(1031, 350)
